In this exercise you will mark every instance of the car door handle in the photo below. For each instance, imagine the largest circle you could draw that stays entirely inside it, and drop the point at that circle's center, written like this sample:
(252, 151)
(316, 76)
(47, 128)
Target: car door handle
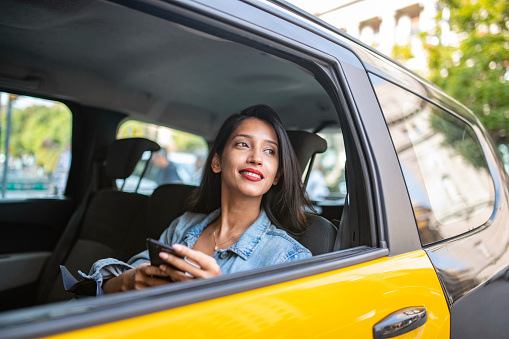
(400, 322)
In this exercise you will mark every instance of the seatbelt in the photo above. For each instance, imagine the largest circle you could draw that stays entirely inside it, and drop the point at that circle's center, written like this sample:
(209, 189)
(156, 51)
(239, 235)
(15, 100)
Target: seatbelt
(63, 247)
(145, 168)
(343, 235)
(348, 229)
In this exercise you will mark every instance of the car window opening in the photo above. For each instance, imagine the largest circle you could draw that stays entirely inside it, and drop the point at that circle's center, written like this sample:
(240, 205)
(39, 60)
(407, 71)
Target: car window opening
(175, 168)
(153, 167)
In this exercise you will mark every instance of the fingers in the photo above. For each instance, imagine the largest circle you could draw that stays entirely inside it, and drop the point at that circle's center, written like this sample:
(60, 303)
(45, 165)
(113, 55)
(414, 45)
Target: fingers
(208, 266)
(195, 265)
(146, 275)
(150, 271)
(203, 260)
(176, 275)
(175, 264)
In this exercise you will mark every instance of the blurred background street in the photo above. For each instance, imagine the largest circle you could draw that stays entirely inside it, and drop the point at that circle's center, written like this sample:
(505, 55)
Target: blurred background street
(460, 45)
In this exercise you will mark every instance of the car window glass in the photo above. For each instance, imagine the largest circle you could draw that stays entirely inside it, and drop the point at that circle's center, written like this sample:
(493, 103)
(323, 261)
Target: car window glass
(180, 159)
(445, 170)
(35, 147)
(326, 184)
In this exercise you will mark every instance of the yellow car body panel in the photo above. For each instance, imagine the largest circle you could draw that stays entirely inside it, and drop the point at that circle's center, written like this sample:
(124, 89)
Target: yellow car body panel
(344, 303)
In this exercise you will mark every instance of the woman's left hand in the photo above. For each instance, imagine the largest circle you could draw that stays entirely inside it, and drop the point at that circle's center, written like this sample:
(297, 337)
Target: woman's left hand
(208, 266)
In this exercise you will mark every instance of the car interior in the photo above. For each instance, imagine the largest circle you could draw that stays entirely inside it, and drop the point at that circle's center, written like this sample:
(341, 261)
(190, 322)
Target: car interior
(109, 64)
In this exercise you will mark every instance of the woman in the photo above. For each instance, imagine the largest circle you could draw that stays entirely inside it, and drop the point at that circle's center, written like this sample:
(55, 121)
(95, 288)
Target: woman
(250, 197)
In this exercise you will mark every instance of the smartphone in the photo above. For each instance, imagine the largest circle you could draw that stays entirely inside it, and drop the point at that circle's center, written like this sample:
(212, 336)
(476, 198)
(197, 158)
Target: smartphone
(155, 247)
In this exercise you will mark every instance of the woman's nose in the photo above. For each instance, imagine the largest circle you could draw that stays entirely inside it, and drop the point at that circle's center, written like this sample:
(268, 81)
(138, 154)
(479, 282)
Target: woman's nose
(255, 158)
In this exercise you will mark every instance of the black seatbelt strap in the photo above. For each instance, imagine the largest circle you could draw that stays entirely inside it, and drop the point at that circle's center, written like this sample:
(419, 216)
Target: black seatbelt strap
(63, 247)
(348, 230)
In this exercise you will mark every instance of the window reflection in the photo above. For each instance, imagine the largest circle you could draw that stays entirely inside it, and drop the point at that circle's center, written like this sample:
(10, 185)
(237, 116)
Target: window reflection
(442, 162)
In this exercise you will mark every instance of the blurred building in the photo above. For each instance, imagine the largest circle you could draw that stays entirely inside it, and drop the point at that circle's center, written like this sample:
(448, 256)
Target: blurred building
(392, 27)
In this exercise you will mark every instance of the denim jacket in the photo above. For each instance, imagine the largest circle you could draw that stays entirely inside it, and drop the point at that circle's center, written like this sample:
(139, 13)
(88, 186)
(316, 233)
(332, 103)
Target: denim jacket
(262, 244)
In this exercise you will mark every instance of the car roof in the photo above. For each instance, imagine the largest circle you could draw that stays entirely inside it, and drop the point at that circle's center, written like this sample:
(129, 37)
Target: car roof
(104, 55)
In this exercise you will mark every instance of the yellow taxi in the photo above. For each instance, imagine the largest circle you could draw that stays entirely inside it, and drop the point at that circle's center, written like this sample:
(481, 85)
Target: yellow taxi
(410, 196)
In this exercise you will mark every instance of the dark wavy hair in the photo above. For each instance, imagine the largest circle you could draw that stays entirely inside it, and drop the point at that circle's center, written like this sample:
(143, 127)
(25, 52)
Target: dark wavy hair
(284, 203)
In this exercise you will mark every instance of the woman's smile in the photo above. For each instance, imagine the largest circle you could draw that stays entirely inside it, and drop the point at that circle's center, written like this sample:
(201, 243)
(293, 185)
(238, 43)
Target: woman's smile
(251, 174)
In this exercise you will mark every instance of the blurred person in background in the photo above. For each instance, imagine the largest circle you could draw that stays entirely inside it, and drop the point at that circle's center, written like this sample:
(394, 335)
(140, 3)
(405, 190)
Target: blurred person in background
(317, 189)
(167, 171)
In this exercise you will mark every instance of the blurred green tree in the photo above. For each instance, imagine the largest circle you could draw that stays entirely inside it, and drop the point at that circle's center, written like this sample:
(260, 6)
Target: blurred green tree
(475, 70)
(40, 130)
(171, 139)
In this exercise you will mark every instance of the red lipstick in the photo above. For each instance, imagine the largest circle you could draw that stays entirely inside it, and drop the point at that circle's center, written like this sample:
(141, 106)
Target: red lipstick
(251, 174)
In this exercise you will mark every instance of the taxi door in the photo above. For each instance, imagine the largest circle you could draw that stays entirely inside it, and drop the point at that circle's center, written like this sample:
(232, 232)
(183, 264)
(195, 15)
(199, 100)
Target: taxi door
(384, 290)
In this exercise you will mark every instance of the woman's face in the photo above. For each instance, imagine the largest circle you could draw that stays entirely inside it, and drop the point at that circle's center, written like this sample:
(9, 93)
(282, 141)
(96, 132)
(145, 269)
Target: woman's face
(250, 160)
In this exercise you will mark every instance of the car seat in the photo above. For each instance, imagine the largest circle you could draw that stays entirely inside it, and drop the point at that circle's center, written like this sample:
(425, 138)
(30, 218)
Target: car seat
(101, 223)
(320, 234)
(166, 203)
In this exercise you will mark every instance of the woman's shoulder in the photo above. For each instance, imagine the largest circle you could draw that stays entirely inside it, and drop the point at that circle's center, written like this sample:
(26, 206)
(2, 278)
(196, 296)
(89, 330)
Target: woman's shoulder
(274, 231)
(198, 216)
(181, 225)
(188, 219)
(190, 216)
(287, 243)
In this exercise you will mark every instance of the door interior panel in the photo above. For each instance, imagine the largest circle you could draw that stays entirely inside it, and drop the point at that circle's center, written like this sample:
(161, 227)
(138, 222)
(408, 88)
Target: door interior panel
(32, 224)
(23, 268)
(30, 230)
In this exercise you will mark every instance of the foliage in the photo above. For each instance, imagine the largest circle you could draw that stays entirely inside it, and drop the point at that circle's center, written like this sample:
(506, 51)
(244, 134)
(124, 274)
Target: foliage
(133, 129)
(40, 130)
(188, 142)
(476, 69)
(402, 53)
(458, 137)
(170, 138)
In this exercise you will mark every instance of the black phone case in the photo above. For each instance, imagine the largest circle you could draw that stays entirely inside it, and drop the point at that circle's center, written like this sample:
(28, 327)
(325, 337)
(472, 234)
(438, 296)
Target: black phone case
(155, 247)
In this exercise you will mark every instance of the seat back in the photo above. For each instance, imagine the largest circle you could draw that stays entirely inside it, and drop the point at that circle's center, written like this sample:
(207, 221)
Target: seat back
(320, 234)
(107, 220)
(166, 203)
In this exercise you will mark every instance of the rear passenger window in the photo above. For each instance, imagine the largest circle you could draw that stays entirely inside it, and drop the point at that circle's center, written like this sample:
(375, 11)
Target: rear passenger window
(180, 159)
(445, 170)
(326, 184)
(35, 147)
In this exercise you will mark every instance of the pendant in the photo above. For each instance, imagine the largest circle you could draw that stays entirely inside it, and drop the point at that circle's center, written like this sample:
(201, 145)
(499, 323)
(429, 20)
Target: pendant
(215, 248)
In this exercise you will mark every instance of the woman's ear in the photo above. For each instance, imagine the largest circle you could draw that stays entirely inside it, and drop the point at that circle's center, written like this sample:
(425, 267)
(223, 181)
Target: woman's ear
(216, 164)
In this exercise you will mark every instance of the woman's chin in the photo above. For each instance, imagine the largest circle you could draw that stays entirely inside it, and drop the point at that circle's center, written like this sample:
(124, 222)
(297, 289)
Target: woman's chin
(247, 190)
(250, 194)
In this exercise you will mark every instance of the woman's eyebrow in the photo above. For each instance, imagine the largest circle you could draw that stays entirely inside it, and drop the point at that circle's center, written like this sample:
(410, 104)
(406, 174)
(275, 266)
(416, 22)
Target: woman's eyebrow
(250, 137)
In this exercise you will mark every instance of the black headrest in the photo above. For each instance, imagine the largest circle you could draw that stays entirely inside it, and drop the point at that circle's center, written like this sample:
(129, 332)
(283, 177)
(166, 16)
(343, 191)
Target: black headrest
(124, 154)
(306, 144)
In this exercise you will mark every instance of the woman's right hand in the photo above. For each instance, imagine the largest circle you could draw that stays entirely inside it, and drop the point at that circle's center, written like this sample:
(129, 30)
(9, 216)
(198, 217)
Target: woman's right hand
(143, 276)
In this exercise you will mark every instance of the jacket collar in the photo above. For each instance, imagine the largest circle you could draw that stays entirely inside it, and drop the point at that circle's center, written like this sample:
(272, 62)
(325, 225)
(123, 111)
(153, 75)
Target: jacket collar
(247, 242)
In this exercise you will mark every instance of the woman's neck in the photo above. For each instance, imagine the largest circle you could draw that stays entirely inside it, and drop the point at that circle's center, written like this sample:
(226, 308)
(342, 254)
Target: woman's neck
(237, 215)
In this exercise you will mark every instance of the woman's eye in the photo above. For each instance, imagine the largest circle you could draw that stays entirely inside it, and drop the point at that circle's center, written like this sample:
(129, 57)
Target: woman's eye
(270, 151)
(241, 144)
